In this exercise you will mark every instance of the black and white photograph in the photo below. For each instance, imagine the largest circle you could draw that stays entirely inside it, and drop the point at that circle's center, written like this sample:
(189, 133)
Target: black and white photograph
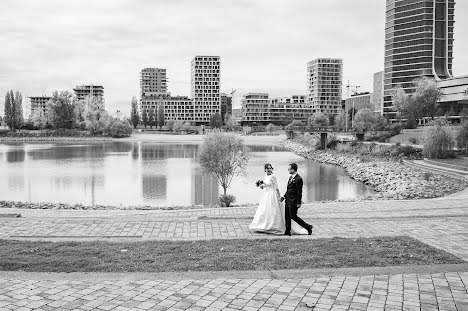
(233, 155)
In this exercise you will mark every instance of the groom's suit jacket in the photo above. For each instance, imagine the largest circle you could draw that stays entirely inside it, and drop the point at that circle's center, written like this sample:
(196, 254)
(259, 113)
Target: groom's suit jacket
(293, 195)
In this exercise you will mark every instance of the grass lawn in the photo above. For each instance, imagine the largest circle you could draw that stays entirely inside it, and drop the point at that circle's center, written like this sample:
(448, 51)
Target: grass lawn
(217, 255)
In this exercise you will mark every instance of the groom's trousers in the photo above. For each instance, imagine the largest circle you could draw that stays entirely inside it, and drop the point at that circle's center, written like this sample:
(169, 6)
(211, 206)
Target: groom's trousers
(291, 214)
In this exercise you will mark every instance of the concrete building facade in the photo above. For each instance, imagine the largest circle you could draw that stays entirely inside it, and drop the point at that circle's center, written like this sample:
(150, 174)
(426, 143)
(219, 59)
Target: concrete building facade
(258, 108)
(360, 101)
(156, 99)
(81, 91)
(454, 97)
(324, 85)
(283, 110)
(418, 42)
(226, 105)
(255, 108)
(39, 103)
(153, 83)
(377, 94)
(205, 86)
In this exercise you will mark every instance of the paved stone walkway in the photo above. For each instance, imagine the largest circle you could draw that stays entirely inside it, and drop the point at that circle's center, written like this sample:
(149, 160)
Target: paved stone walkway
(440, 291)
(442, 223)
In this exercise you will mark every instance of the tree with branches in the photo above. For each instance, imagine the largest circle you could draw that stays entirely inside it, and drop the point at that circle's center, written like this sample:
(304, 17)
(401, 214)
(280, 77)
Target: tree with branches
(160, 116)
(144, 118)
(134, 115)
(14, 110)
(223, 155)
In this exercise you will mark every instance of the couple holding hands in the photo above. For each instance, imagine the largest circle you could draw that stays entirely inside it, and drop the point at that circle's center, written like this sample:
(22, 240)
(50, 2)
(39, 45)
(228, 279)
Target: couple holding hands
(271, 217)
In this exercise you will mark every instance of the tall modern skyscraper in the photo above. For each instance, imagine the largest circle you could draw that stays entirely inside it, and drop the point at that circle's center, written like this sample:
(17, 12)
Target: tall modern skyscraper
(418, 42)
(206, 80)
(324, 85)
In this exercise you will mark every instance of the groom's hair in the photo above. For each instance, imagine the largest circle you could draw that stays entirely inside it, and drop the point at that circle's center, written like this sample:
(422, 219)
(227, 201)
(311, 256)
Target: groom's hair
(293, 166)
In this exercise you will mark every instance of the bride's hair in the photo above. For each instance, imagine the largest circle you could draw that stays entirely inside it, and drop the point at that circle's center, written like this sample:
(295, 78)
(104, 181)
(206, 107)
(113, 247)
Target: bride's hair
(267, 165)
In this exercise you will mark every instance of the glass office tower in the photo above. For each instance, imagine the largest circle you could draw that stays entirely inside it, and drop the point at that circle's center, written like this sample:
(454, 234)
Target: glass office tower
(418, 42)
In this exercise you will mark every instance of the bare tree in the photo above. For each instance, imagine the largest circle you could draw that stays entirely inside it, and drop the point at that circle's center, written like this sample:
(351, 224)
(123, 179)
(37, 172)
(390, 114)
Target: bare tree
(223, 155)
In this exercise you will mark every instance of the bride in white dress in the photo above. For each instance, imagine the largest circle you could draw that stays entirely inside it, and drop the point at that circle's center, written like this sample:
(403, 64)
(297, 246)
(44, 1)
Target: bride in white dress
(269, 217)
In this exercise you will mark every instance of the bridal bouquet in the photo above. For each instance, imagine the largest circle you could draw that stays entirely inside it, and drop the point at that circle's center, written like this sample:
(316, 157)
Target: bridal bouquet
(259, 182)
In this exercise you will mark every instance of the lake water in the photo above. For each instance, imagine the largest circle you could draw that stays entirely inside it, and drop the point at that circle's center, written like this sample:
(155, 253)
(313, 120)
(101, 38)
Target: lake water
(146, 173)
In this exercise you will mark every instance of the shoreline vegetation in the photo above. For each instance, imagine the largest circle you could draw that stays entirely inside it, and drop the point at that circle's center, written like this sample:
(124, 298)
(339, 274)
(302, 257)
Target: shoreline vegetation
(79, 206)
(389, 178)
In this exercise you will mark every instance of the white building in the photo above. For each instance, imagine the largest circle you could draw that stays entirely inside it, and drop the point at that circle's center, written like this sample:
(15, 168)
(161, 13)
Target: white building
(156, 99)
(255, 108)
(377, 97)
(258, 108)
(206, 84)
(324, 85)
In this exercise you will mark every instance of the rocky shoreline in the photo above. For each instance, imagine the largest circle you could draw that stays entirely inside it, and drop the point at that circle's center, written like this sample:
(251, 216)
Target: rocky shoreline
(391, 180)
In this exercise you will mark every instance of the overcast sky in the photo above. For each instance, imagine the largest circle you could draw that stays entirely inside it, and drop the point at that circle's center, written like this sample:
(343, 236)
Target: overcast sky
(48, 45)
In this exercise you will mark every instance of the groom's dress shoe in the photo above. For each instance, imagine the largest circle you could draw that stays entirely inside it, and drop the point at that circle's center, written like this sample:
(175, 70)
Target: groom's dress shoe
(309, 229)
(287, 233)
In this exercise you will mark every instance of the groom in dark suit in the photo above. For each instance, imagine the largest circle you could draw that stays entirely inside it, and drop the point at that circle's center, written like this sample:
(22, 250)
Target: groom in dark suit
(293, 197)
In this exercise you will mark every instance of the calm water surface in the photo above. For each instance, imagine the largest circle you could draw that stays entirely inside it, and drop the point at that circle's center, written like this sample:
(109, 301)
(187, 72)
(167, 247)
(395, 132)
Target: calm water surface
(140, 173)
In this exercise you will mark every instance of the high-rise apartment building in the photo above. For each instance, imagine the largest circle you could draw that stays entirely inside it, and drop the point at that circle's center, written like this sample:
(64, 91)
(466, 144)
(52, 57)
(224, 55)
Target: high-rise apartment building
(155, 98)
(39, 103)
(153, 83)
(81, 91)
(226, 105)
(324, 85)
(418, 42)
(206, 84)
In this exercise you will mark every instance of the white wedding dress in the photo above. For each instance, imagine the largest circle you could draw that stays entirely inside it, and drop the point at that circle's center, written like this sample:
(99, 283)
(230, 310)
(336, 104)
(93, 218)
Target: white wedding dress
(269, 217)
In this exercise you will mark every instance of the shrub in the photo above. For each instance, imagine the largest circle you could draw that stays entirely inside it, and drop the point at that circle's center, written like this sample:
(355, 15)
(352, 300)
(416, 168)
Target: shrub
(408, 151)
(395, 129)
(118, 129)
(270, 127)
(427, 175)
(226, 199)
(438, 141)
(332, 143)
(462, 137)
(29, 125)
(318, 119)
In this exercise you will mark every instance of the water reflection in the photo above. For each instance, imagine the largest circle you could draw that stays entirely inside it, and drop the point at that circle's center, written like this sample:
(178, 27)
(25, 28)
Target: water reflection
(149, 173)
(15, 156)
